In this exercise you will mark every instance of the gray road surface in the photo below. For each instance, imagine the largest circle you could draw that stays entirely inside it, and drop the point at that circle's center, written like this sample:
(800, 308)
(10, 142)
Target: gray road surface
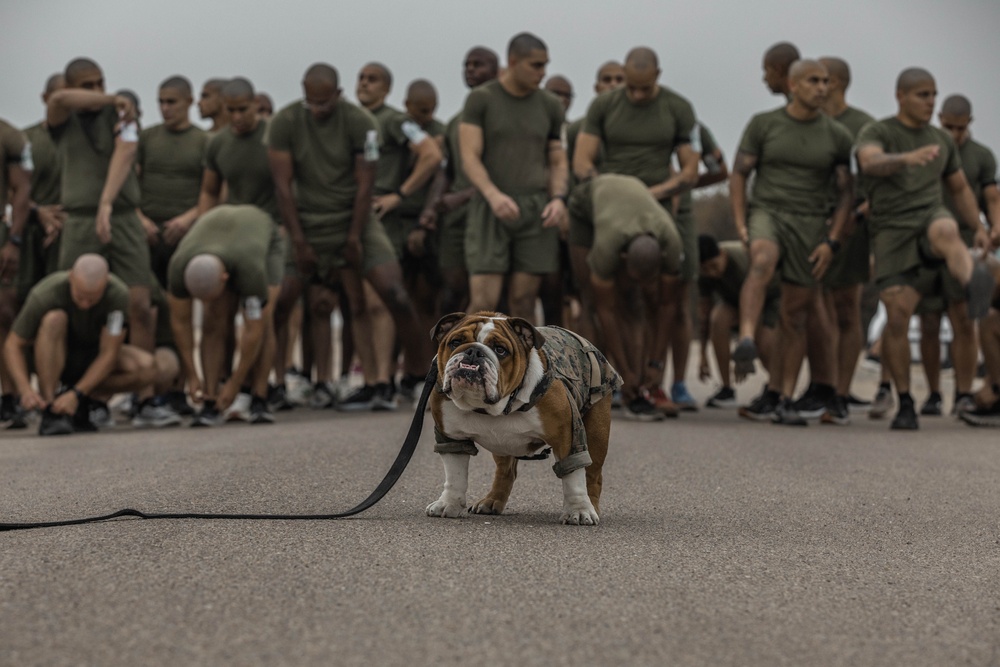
(722, 543)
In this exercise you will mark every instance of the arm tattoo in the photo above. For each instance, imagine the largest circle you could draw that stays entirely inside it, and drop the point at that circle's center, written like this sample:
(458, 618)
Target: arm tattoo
(744, 163)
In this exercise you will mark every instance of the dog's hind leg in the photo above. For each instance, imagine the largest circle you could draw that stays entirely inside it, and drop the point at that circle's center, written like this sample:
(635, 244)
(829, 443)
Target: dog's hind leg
(597, 422)
(503, 481)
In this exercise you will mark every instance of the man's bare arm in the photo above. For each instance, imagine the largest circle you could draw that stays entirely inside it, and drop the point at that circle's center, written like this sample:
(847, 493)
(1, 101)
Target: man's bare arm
(211, 187)
(470, 142)
(717, 171)
(874, 161)
(181, 324)
(968, 209)
(683, 180)
(64, 102)
(588, 147)
(743, 164)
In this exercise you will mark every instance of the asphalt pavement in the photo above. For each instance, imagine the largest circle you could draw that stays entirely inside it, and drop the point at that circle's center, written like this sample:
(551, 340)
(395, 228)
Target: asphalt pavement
(722, 542)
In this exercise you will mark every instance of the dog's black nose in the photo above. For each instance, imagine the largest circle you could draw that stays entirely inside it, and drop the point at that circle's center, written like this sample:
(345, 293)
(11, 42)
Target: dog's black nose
(474, 353)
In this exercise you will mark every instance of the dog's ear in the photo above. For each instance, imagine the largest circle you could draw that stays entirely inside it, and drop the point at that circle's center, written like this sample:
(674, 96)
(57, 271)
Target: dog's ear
(444, 325)
(531, 336)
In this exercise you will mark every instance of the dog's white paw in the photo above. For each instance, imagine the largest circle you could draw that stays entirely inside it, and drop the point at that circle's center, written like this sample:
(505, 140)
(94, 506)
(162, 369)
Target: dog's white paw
(446, 508)
(580, 516)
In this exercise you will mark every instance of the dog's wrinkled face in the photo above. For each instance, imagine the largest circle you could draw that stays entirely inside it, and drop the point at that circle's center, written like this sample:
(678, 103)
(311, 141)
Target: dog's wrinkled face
(482, 358)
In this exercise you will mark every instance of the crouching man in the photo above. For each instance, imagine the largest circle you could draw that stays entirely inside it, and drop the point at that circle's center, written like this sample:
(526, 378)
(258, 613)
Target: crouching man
(71, 333)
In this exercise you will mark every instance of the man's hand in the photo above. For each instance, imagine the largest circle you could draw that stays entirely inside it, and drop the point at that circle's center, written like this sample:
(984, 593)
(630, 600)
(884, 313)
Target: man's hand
(554, 214)
(504, 207)
(305, 256)
(152, 231)
(66, 403)
(52, 219)
(450, 201)
(227, 395)
(174, 230)
(382, 204)
(428, 219)
(923, 155)
(103, 226)
(743, 234)
(32, 400)
(10, 259)
(704, 370)
(125, 109)
(982, 241)
(195, 390)
(820, 259)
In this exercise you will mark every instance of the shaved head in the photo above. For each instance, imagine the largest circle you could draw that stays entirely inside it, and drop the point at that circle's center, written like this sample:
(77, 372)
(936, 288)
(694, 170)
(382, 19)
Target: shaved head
(215, 84)
(54, 83)
(642, 257)
(238, 87)
(957, 105)
(522, 44)
(642, 59)
(486, 54)
(77, 67)
(178, 83)
(911, 78)
(90, 272)
(205, 276)
(781, 55)
(803, 68)
(383, 72)
(421, 90)
(322, 73)
(839, 70)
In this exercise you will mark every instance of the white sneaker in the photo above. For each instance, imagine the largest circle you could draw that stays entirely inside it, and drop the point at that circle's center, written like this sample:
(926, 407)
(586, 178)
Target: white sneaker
(155, 416)
(239, 410)
(298, 390)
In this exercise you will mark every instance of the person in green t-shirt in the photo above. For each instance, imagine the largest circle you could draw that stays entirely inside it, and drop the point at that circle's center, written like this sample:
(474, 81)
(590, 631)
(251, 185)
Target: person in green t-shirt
(980, 168)
(169, 162)
(777, 61)
(850, 269)
(323, 153)
(232, 260)
(640, 127)
(71, 332)
(212, 107)
(610, 76)
(512, 153)
(904, 160)
(98, 137)
(448, 200)
(621, 239)
(802, 179)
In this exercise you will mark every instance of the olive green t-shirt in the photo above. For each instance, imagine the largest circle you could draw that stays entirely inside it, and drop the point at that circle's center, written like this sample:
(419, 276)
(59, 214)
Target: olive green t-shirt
(170, 170)
(796, 161)
(980, 167)
(910, 189)
(241, 161)
(621, 208)
(516, 135)
(324, 152)
(85, 142)
(638, 139)
(412, 206)
(53, 293)
(239, 236)
(12, 153)
(398, 131)
(45, 179)
(854, 120)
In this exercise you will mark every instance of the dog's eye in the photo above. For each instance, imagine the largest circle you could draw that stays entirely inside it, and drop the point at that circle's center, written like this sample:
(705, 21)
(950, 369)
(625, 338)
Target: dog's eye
(454, 342)
(500, 350)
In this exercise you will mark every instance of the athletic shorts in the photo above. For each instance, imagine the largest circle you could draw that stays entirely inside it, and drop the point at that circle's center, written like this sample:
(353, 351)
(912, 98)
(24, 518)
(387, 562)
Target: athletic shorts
(796, 236)
(127, 253)
(327, 234)
(521, 246)
(852, 265)
(451, 239)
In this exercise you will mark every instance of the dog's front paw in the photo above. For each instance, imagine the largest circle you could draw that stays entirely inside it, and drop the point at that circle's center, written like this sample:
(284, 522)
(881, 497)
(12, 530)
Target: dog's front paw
(447, 508)
(580, 516)
(489, 505)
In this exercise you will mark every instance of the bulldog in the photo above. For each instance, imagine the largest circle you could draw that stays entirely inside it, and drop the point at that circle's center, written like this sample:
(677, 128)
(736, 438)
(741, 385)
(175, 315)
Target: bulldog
(514, 389)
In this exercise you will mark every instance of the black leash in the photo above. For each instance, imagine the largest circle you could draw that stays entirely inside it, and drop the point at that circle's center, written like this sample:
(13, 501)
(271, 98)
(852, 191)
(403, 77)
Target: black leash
(390, 479)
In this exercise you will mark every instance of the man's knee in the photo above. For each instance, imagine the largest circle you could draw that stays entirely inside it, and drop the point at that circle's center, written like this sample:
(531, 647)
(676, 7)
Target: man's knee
(54, 322)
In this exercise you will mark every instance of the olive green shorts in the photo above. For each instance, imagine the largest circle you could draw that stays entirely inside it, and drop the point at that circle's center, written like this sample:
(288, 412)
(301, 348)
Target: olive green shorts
(901, 245)
(522, 246)
(852, 265)
(127, 253)
(688, 231)
(327, 234)
(35, 262)
(796, 236)
(451, 239)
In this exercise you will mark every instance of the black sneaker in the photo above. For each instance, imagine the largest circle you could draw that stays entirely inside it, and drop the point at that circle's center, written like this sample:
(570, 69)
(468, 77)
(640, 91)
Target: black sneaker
(724, 398)
(786, 414)
(19, 420)
(762, 408)
(260, 413)
(642, 409)
(410, 386)
(932, 406)
(177, 401)
(81, 420)
(53, 424)
(906, 418)
(855, 404)
(277, 398)
(385, 397)
(837, 412)
(988, 416)
(360, 399)
(8, 407)
(813, 403)
(209, 415)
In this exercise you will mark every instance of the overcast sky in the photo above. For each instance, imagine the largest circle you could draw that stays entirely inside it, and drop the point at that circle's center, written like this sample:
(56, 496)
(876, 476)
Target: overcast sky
(710, 51)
